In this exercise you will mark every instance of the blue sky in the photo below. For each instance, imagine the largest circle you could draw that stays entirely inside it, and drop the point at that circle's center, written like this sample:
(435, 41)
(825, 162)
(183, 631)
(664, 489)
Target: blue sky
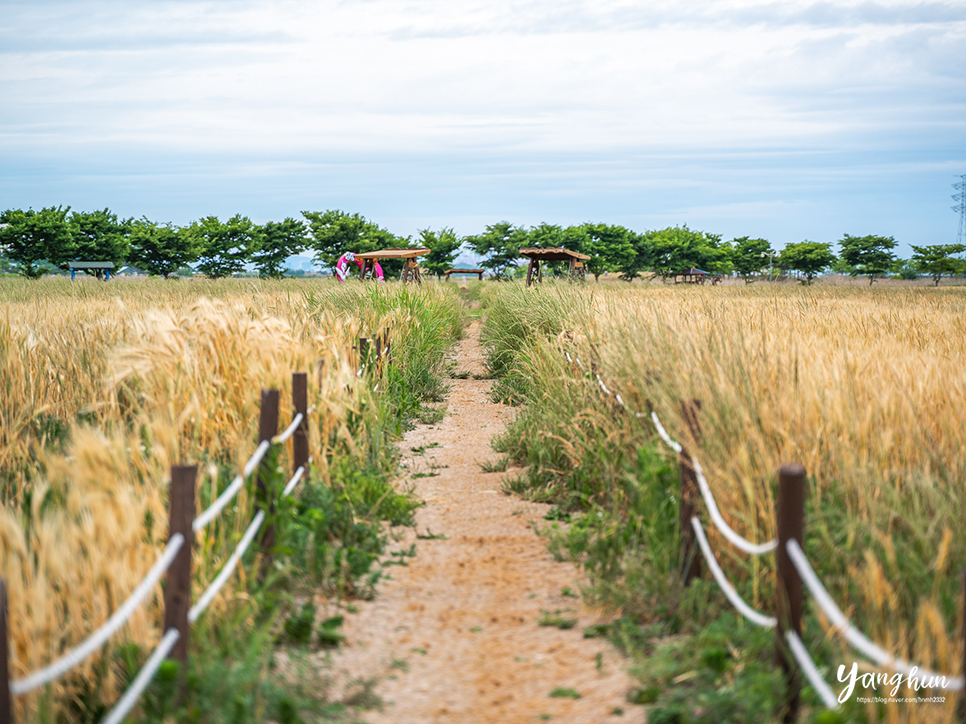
(787, 120)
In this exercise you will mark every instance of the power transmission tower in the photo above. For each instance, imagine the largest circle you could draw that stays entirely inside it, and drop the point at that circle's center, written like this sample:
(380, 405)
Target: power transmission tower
(960, 208)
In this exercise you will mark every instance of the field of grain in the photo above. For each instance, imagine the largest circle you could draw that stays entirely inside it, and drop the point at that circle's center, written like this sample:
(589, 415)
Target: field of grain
(105, 386)
(864, 387)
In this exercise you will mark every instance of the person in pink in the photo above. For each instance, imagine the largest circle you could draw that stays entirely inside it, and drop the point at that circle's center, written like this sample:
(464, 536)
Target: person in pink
(342, 266)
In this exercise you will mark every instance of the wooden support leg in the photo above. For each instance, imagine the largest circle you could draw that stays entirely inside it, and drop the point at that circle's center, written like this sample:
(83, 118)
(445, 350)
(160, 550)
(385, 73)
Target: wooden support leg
(530, 273)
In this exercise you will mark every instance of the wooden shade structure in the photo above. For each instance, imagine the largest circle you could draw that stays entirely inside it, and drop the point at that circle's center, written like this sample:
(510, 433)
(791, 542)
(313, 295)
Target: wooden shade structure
(410, 270)
(553, 254)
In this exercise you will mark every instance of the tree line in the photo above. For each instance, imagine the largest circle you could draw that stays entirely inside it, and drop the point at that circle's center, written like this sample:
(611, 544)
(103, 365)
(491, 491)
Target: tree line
(36, 242)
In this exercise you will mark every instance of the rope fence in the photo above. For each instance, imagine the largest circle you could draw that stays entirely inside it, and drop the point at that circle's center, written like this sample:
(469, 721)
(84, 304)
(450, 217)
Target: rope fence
(175, 560)
(793, 568)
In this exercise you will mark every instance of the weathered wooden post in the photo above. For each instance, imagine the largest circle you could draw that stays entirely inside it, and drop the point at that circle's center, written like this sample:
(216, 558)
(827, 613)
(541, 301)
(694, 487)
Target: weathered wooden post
(788, 604)
(267, 429)
(690, 493)
(177, 586)
(300, 404)
(6, 701)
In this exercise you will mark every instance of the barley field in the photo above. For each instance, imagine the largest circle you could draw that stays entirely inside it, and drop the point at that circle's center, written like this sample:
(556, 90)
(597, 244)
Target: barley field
(105, 386)
(864, 387)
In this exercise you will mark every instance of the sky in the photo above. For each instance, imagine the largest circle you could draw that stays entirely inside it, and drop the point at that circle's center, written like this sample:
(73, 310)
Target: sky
(783, 120)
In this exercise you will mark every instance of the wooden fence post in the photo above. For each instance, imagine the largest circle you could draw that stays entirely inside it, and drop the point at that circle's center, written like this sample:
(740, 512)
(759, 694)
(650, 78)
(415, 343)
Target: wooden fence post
(267, 429)
(300, 403)
(177, 586)
(387, 341)
(788, 603)
(690, 493)
(6, 702)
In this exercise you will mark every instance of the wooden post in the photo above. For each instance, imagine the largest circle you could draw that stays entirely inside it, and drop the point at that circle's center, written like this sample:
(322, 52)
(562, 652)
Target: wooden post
(530, 273)
(300, 403)
(690, 493)
(788, 604)
(388, 345)
(267, 429)
(177, 586)
(6, 701)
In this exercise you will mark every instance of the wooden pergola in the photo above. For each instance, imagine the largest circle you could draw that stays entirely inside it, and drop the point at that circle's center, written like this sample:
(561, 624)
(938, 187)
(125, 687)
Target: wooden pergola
(410, 272)
(553, 254)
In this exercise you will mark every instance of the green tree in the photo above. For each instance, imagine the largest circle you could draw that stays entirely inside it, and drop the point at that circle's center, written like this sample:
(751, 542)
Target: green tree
(99, 236)
(808, 257)
(443, 247)
(611, 248)
(938, 260)
(552, 236)
(161, 249)
(675, 250)
(276, 241)
(33, 237)
(868, 255)
(500, 244)
(224, 247)
(335, 232)
(751, 257)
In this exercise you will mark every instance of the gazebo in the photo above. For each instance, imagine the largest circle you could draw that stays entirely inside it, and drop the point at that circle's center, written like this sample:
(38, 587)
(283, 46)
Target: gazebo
(553, 254)
(410, 272)
(95, 266)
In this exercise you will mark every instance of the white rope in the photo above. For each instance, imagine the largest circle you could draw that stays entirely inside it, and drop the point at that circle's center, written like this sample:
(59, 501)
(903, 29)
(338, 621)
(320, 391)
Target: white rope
(755, 549)
(569, 359)
(287, 433)
(93, 642)
(855, 637)
(808, 666)
(602, 385)
(310, 410)
(676, 447)
(728, 590)
(227, 569)
(126, 702)
(232, 490)
(294, 481)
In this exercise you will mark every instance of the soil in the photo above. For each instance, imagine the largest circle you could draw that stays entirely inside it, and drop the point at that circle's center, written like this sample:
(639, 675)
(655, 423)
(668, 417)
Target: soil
(454, 635)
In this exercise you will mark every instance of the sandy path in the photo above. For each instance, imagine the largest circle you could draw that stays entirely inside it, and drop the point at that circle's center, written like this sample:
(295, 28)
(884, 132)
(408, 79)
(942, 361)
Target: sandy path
(454, 636)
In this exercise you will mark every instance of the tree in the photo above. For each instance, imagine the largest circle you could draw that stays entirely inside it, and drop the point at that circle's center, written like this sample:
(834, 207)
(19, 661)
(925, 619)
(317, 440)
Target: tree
(500, 244)
(868, 255)
(335, 232)
(99, 236)
(443, 247)
(938, 260)
(611, 248)
(674, 250)
(33, 237)
(224, 248)
(276, 242)
(161, 249)
(808, 257)
(751, 256)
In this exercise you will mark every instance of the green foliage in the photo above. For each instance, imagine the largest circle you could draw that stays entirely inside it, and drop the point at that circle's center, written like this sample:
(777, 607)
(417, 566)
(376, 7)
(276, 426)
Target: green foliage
(808, 257)
(868, 255)
(276, 242)
(224, 247)
(335, 232)
(99, 236)
(750, 257)
(500, 244)
(33, 237)
(613, 248)
(672, 251)
(298, 626)
(161, 249)
(938, 260)
(443, 247)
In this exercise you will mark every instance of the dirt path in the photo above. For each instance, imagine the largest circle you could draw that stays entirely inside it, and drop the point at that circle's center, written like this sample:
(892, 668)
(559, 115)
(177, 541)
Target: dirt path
(453, 637)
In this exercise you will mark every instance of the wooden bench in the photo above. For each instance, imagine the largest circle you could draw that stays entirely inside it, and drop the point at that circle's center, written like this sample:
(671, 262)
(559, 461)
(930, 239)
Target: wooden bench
(464, 272)
(410, 271)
